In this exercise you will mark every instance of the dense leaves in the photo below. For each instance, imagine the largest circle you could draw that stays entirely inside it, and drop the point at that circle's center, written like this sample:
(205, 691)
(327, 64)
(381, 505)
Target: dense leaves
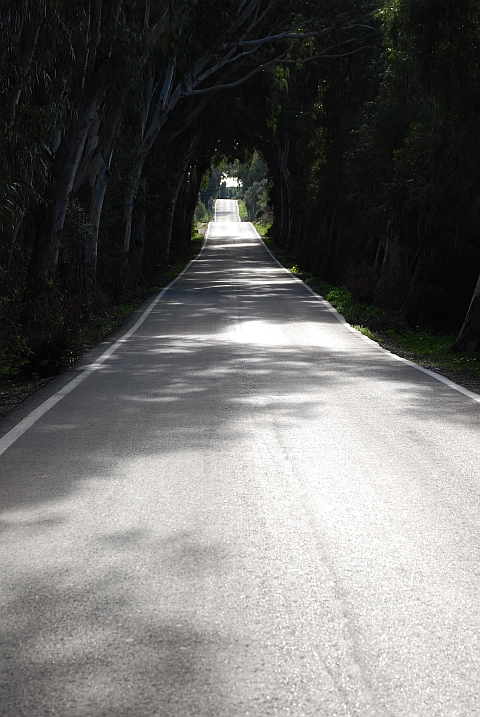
(384, 165)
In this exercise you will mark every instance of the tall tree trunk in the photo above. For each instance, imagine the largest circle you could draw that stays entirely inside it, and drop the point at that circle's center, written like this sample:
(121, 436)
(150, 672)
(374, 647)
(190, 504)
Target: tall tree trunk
(145, 142)
(185, 208)
(138, 231)
(179, 180)
(47, 241)
(95, 213)
(330, 226)
(168, 227)
(92, 73)
(129, 200)
(429, 254)
(93, 173)
(422, 278)
(284, 238)
(412, 307)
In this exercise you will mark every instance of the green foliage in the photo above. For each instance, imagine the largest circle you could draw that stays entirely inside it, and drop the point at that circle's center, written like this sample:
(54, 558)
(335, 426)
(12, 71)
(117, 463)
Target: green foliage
(200, 211)
(422, 341)
(249, 173)
(242, 210)
(365, 331)
(430, 349)
(354, 311)
(262, 228)
(434, 350)
(42, 356)
(51, 354)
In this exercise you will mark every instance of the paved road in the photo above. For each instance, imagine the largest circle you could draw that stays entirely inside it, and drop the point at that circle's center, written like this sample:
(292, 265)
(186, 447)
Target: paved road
(246, 510)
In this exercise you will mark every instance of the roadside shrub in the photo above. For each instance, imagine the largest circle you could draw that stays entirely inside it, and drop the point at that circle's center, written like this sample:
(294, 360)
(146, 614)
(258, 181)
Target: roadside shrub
(42, 356)
(200, 211)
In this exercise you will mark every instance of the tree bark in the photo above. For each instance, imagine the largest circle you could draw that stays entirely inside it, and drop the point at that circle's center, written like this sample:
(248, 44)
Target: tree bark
(284, 238)
(94, 171)
(145, 143)
(185, 208)
(47, 241)
(179, 180)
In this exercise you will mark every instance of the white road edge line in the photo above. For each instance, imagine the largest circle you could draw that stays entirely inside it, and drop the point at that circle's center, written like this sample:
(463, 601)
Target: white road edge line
(14, 434)
(339, 317)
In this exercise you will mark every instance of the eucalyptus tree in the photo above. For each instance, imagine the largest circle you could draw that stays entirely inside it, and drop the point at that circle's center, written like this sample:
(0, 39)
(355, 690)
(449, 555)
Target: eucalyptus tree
(32, 40)
(381, 151)
(78, 66)
(213, 50)
(414, 166)
(437, 169)
(228, 125)
(318, 102)
(142, 27)
(99, 33)
(35, 42)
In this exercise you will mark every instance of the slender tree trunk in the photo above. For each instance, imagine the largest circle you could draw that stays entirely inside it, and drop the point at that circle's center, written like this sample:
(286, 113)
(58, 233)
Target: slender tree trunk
(47, 241)
(429, 254)
(392, 284)
(282, 153)
(171, 214)
(96, 205)
(65, 165)
(138, 231)
(412, 306)
(89, 163)
(129, 200)
(92, 176)
(325, 263)
(185, 208)
(468, 338)
(8, 251)
(145, 142)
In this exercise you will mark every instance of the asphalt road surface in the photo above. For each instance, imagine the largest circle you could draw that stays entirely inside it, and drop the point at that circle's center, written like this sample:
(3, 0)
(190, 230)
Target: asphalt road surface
(244, 508)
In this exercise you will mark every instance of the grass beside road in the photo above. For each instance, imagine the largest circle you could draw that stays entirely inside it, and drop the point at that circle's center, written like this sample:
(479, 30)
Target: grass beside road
(242, 210)
(262, 229)
(426, 347)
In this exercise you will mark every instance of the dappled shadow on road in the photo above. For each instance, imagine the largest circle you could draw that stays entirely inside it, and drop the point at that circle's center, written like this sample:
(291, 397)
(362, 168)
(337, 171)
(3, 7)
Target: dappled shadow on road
(236, 351)
(100, 647)
(218, 358)
(166, 393)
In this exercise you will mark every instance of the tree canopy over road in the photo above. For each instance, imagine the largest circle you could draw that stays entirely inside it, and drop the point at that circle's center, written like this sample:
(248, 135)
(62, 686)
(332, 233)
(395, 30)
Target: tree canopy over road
(365, 113)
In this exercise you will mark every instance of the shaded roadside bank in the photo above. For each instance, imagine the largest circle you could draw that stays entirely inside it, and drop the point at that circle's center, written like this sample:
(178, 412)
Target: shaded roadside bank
(423, 345)
(18, 382)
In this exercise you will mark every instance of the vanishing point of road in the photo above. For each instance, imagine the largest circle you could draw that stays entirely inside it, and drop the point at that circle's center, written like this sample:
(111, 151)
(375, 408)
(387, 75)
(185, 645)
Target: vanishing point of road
(241, 507)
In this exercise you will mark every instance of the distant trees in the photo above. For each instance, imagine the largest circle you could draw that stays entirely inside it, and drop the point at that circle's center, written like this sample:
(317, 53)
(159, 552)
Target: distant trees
(253, 179)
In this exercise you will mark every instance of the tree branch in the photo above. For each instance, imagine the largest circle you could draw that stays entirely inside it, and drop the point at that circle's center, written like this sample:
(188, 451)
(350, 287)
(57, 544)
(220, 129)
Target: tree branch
(324, 55)
(236, 83)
